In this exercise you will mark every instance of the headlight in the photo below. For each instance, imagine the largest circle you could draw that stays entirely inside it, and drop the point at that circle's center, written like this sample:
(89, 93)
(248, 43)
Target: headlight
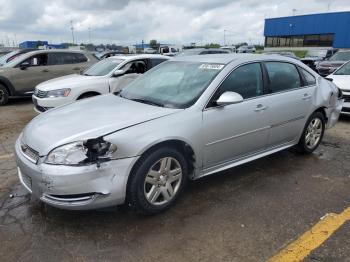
(58, 93)
(82, 153)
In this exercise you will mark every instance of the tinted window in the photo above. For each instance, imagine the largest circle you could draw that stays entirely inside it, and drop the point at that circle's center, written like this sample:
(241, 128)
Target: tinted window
(155, 62)
(245, 80)
(310, 79)
(282, 76)
(37, 60)
(80, 58)
(66, 58)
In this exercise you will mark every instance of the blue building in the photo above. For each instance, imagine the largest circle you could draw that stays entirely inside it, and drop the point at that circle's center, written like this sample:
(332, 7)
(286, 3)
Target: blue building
(315, 30)
(36, 44)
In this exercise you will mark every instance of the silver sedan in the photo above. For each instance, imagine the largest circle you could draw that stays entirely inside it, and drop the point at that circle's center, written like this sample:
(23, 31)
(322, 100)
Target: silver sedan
(186, 118)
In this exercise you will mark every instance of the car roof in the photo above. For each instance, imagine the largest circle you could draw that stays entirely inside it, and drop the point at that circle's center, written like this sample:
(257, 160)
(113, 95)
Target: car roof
(141, 56)
(230, 57)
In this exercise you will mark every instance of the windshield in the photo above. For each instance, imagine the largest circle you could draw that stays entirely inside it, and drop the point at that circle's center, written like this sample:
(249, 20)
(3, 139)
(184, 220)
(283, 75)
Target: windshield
(103, 67)
(344, 70)
(3, 59)
(340, 56)
(317, 53)
(174, 84)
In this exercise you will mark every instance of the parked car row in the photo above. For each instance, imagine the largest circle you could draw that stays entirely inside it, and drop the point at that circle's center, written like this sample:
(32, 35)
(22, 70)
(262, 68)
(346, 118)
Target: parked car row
(107, 76)
(19, 76)
(186, 118)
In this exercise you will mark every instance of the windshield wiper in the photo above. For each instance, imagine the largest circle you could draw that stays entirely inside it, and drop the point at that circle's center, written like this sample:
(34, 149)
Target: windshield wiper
(147, 102)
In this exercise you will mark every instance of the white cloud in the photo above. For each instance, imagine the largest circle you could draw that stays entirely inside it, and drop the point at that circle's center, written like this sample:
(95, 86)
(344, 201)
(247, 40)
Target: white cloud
(130, 21)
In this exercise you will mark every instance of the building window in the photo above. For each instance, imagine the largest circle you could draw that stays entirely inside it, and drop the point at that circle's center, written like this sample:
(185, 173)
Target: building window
(300, 41)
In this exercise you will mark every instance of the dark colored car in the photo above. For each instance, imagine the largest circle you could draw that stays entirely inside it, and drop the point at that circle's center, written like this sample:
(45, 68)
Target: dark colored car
(315, 56)
(12, 55)
(328, 66)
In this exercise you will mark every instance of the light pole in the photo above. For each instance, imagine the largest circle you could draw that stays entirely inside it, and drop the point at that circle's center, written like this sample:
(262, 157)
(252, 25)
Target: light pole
(225, 37)
(89, 35)
(72, 28)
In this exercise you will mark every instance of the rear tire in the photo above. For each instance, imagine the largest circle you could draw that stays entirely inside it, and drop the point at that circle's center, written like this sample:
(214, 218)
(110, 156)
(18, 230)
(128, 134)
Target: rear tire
(157, 181)
(4, 95)
(312, 134)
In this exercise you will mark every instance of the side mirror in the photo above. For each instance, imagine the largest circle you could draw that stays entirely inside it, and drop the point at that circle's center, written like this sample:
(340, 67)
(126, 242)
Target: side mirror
(229, 98)
(117, 73)
(24, 65)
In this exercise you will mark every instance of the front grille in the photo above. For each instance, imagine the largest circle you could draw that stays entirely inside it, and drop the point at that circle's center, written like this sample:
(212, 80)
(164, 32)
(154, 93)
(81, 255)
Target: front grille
(39, 93)
(346, 110)
(346, 98)
(30, 153)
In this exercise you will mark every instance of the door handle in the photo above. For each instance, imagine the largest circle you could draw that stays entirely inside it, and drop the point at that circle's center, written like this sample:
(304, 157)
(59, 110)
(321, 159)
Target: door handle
(45, 70)
(306, 97)
(260, 107)
(76, 68)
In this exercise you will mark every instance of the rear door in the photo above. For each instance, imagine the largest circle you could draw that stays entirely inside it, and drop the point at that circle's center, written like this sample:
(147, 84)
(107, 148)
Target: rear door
(63, 63)
(289, 101)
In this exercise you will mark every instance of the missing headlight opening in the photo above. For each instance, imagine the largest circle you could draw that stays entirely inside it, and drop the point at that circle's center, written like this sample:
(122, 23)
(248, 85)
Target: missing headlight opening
(99, 150)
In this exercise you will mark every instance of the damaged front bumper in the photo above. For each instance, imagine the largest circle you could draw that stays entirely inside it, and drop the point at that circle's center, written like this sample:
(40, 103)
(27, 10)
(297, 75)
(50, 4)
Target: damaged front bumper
(75, 187)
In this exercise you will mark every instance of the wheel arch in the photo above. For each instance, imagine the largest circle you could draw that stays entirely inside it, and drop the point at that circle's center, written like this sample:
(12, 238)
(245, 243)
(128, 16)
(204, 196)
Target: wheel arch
(7, 84)
(180, 145)
(95, 93)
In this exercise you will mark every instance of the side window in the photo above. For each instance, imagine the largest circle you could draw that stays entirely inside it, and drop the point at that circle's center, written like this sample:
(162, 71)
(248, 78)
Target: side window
(80, 58)
(246, 80)
(56, 59)
(309, 78)
(282, 76)
(135, 67)
(155, 62)
(37, 60)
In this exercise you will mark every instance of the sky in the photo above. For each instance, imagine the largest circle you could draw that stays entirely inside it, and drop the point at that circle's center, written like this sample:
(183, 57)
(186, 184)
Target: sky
(127, 22)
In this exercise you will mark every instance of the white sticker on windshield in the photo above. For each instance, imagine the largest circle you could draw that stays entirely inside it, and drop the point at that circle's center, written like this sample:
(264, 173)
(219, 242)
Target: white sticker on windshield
(211, 66)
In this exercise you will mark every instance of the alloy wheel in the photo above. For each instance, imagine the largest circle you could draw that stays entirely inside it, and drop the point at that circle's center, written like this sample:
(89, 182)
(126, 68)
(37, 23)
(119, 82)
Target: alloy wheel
(2, 95)
(313, 133)
(163, 181)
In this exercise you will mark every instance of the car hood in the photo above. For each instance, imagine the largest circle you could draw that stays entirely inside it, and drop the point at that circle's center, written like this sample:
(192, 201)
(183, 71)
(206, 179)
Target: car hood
(86, 119)
(66, 81)
(332, 63)
(342, 81)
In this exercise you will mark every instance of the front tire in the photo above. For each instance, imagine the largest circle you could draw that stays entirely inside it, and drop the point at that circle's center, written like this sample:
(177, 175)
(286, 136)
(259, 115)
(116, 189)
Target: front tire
(4, 95)
(312, 134)
(157, 181)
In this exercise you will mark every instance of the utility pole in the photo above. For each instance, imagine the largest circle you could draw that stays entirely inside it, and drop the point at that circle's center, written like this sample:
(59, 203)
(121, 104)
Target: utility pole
(72, 28)
(89, 35)
(224, 37)
(294, 11)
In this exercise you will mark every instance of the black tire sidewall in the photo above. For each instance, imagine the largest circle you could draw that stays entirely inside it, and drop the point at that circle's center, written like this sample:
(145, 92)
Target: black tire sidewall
(302, 143)
(6, 95)
(135, 191)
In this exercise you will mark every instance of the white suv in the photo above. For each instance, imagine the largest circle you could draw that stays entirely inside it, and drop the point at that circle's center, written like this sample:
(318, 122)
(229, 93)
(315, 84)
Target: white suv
(106, 76)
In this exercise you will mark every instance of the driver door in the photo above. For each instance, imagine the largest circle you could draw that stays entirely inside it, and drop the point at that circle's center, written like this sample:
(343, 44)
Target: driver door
(132, 70)
(235, 131)
(26, 78)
